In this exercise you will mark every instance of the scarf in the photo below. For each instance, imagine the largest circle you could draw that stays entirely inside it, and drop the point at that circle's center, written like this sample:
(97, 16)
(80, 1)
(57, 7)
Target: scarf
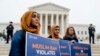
(26, 21)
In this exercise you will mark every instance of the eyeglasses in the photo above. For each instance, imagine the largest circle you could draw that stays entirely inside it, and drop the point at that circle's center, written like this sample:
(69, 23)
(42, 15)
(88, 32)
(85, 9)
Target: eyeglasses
(57, 29)
(35, 15)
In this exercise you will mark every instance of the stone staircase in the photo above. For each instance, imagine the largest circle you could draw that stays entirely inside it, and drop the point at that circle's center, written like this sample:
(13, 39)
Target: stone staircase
(4, 49)
(95, 50)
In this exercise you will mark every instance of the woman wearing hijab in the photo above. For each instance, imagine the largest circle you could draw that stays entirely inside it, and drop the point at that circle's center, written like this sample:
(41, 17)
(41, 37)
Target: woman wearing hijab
(29, 23)
(54, 32)
(70, 35)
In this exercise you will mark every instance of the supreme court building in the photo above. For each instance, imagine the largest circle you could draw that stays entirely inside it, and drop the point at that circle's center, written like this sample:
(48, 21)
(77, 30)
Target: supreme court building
(52, 14)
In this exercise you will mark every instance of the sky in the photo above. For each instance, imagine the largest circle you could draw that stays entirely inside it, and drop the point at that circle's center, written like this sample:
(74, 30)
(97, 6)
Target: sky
(81, 11)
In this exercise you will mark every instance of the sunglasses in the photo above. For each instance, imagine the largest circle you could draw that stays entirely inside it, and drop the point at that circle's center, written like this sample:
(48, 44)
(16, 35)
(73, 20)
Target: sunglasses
(35, 15)
(57, 29)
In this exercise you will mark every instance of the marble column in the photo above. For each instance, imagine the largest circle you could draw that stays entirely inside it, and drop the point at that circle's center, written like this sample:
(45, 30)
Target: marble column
(41, 20)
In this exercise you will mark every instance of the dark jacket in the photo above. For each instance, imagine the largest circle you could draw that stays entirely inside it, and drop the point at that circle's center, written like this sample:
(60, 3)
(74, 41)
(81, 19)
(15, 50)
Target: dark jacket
(91, 29)
(51, 37)
(18, 44)
(69, 38)
(9, 28)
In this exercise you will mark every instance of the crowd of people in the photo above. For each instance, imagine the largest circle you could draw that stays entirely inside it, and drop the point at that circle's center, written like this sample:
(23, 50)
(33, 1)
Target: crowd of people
(30, 23)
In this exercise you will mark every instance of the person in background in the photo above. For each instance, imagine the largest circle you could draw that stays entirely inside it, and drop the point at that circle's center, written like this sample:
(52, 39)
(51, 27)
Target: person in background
(70, 35)
(9, 29)
(54, 32)
(29, 23)
(91, 31)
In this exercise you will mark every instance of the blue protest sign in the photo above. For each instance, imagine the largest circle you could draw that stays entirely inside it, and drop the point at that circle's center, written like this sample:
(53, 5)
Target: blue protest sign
(79, 49)
(64, 48)
(40, 46)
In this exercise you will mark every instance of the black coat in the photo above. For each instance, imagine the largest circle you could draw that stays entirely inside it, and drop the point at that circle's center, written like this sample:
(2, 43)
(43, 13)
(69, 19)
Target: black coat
(9, 28)
(91, 29)
(51, 37)
(69, 38)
